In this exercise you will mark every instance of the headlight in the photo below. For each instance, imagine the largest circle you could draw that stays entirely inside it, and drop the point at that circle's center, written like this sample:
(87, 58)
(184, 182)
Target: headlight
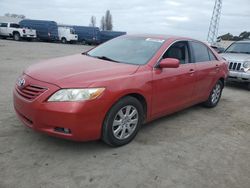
(246, 65)
(76, 94)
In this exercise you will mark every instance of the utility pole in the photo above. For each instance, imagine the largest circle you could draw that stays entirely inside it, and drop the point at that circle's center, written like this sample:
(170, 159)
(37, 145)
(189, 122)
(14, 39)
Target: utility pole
(214, 23)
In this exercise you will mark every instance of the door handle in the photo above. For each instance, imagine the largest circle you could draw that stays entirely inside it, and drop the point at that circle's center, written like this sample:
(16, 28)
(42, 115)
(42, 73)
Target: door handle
(191, 71)
(217, 67)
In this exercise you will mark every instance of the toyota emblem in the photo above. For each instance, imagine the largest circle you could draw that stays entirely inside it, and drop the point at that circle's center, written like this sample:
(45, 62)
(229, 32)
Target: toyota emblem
(21, 82)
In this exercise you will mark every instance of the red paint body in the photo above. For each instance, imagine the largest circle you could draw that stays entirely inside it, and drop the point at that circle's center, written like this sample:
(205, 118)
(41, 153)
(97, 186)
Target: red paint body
(165, 90)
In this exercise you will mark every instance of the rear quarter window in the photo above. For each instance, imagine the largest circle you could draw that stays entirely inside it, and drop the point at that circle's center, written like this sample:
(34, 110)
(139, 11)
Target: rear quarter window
(200, 52)
(211, 55)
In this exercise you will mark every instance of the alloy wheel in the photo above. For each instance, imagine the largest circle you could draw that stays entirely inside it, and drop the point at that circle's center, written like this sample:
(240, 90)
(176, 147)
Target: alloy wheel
(216, 93)
(125, 122)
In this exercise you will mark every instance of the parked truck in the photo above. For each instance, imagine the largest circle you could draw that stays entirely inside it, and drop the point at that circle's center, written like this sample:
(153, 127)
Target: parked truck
(46, 30)
(16, 32)
(108, 35)
(67, 34)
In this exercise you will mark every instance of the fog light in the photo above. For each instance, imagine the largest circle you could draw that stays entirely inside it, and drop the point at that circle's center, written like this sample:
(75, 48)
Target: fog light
(62, 130)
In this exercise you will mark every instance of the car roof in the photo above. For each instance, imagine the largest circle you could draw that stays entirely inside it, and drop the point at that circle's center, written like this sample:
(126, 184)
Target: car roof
(160, 36)
(243, 41)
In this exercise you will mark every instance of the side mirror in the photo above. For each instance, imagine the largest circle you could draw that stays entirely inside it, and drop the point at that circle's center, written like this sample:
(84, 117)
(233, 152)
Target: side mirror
(169, 63)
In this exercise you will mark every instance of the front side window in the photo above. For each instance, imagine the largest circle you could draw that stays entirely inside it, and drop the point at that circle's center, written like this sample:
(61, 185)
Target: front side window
(200, 52)
(179, 51)
(130, 50)
(72, 31)
(239, 47)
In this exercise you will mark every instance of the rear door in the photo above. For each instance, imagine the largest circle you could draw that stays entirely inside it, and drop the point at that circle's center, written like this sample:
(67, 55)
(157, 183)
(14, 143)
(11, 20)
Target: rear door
(207, 68)
(173, 87)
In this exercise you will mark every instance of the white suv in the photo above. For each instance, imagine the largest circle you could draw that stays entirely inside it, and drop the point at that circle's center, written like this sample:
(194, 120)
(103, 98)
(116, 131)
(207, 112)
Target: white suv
(238, 57)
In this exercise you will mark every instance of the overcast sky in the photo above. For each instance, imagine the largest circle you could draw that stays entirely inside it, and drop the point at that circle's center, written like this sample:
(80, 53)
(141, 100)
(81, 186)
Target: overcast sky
(177, 17)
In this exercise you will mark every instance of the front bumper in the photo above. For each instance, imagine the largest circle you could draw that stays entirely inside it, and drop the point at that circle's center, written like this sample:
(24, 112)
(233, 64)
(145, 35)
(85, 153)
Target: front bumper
(239, 76)
(84, 119)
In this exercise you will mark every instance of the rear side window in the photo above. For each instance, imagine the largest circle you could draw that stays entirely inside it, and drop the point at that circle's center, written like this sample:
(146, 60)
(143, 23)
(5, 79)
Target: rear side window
(211, 55)
(200, 52)
(13, 25)
(3, 25)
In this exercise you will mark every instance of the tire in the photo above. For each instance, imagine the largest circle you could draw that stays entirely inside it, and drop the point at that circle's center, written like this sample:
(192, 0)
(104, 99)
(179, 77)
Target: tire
(16, 36)
(63, 40)
(248, 86)
(118, 130)
(215, 95)
(84, 42)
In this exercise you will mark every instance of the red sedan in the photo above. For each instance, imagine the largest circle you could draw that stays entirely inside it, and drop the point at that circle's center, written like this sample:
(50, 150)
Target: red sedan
(110, 91)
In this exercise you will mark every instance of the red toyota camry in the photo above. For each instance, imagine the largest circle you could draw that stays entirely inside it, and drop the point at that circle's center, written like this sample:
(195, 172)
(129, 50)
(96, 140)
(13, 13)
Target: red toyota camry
(110, 91)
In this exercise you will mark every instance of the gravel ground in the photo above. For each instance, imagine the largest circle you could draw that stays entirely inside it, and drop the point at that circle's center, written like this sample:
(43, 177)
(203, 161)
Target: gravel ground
(194, 148)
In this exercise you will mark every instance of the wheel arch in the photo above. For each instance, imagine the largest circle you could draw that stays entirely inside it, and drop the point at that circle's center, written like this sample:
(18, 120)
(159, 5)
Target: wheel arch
(137, 95)
(142, 100)
(15, 32)
(223, 81)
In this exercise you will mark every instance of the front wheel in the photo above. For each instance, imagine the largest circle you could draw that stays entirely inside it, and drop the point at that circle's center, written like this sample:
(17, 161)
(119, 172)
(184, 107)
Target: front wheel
(122, 122)
(215, 95)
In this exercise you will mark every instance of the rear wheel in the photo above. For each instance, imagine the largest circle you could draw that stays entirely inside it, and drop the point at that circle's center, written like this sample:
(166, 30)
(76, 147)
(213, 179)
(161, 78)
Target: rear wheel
(122, 122)
(215, 95)
(16, 36)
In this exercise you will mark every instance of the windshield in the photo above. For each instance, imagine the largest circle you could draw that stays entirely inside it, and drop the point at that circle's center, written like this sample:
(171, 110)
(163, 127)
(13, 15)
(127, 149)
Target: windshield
(239, 48)
(131, 50)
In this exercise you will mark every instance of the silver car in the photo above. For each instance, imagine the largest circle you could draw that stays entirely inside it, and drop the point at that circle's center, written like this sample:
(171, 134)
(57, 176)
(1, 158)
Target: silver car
(238, 57)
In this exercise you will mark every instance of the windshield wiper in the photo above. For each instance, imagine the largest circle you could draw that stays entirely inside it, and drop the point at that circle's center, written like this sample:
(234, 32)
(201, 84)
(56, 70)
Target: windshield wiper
(85, 53)
(106, 58)
(232, 52)
(245, 52)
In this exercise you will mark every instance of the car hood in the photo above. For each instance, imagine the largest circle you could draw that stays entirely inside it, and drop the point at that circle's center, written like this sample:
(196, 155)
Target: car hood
(78, 71)
(236, 57)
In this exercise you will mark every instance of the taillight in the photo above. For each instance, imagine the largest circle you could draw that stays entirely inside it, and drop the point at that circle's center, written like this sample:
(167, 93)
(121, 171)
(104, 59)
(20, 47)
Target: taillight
(24, 31)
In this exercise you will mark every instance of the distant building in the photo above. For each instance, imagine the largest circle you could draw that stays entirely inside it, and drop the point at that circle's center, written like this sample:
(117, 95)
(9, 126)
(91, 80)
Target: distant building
(9, 19)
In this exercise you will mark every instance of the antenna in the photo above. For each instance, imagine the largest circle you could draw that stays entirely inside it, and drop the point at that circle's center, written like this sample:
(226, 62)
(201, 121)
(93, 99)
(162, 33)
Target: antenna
(214, 23)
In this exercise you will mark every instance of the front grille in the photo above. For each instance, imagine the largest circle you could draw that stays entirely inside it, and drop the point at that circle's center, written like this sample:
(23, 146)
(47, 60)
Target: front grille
(30, 92)
(234, 66)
